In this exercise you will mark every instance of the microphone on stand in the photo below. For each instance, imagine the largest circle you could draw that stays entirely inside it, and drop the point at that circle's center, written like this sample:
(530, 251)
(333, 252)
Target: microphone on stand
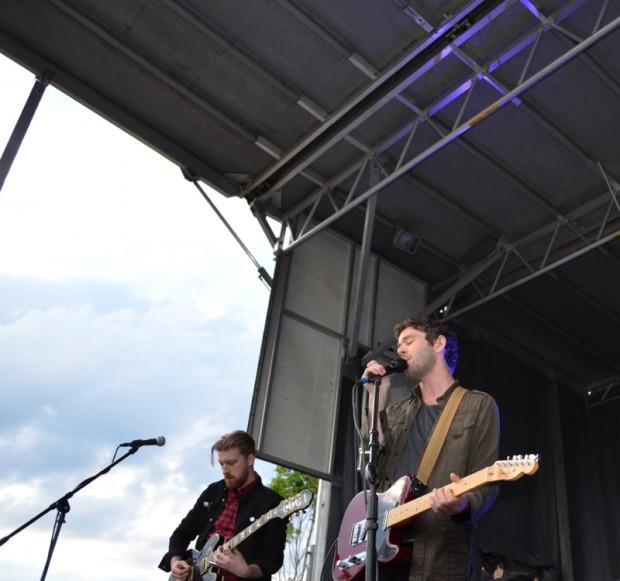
(397, 365)
(159, 441)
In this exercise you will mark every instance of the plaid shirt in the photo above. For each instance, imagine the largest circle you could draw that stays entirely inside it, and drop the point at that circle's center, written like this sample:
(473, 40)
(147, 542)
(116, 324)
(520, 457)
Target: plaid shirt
(227, 519)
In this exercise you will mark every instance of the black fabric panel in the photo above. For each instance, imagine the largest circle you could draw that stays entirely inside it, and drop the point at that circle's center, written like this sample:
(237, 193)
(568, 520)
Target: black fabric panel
(522, 525)
(592, 444)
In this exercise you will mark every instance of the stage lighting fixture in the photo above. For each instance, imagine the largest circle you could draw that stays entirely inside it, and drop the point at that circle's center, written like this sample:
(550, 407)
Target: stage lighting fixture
(405, 240)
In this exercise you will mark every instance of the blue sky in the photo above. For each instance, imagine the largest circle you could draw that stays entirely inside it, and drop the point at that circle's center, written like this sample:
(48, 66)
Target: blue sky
(126, 311)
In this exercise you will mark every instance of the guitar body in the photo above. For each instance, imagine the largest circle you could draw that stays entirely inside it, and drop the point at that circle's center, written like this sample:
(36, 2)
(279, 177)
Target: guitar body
(202, 570)
(350, 557)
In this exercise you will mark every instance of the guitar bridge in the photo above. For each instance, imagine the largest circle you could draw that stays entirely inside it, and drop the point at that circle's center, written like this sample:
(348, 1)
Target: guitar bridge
(351, 560)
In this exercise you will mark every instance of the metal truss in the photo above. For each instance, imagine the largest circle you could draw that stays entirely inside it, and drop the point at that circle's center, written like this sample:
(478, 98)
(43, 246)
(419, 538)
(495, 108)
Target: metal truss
(515, 270)
(407, 133)
(429, 116)
(603, 392)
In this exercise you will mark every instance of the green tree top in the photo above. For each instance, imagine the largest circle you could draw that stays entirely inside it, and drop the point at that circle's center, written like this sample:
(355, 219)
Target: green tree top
(288, 483)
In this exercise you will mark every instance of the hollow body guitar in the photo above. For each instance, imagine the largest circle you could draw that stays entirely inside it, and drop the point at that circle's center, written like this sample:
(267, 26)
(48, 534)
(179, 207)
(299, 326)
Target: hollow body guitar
(203, 566)
(393, 511)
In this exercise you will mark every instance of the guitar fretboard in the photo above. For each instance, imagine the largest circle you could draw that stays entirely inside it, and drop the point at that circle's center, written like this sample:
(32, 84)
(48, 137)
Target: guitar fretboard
(405, 512)
(246, 532)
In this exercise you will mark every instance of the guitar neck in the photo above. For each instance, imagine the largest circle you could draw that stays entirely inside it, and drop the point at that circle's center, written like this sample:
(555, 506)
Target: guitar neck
(405, 512)
(246, 532)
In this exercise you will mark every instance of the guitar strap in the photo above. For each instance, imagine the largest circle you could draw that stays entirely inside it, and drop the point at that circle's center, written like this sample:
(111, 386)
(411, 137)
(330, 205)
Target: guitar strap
(438, 437)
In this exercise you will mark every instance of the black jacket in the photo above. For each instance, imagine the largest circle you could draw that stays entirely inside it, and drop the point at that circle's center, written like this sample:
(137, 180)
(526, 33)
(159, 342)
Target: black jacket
(264, 548)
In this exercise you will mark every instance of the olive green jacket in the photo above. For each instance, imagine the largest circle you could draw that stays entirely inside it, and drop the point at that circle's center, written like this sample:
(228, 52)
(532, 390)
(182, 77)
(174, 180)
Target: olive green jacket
(441, 544)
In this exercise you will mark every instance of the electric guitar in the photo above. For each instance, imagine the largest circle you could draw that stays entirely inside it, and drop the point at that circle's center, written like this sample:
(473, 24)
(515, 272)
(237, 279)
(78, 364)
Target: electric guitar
(393, 511)
(203, 566)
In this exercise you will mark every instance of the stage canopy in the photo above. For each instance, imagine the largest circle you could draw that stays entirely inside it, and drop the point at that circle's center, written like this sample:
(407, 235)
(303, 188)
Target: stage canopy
(489, 131)
(457, 157)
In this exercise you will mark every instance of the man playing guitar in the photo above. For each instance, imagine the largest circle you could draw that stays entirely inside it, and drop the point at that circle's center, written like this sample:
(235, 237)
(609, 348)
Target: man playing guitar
(225, 508)
(441, 536)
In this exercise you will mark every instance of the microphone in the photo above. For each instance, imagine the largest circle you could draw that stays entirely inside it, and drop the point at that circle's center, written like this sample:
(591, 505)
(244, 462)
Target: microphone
(397, 365)
(159, 441)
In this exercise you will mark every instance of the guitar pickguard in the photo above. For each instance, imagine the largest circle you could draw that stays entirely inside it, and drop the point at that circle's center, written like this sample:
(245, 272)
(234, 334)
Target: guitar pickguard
(350, 556)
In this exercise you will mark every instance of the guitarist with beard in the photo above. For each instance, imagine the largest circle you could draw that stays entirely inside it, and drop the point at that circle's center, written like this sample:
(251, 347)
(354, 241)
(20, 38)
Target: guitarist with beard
(225, 508)
(440, 537)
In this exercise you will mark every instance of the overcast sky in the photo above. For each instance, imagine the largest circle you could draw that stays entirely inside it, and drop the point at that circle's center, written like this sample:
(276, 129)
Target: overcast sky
(126, 311)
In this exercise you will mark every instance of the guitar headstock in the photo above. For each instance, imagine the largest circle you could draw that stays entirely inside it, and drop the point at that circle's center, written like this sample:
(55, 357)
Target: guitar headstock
(290, 505)
(515, 467)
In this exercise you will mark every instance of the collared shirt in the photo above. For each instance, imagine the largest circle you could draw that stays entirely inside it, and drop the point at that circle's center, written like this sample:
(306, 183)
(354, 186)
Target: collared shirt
(227, 519)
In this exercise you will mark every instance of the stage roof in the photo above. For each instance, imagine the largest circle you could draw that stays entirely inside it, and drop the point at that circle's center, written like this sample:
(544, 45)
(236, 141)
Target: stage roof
(489, 129)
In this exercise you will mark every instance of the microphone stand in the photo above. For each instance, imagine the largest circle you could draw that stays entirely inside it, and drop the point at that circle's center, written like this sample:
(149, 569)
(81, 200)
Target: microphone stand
(373, 480)
(62, 507)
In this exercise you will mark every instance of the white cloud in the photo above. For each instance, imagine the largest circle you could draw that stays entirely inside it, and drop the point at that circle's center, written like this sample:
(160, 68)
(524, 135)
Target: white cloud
(126, 311)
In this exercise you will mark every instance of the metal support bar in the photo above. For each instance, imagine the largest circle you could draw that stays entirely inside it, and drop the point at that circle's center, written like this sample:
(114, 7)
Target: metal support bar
(603, 391)
(567, 33)
(551, 244)
(310, 215)
(412, 133)
(472, 88)
(522, 259)
(263, 275)
(605, 219)
(611, 189)
(599, 18)
(21, 127)
(463, 129)
(356, 181)
(461, 283)
(259, 214)
(530, 56)
(500, 270)
(332, 201)
(362, 275)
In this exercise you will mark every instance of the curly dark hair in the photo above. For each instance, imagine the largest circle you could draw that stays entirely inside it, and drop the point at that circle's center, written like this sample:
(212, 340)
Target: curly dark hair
(237, 439)
(433, 328)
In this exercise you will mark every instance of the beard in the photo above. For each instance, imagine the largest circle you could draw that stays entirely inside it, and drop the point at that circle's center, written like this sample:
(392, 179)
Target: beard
(422, 365)
(234, 482)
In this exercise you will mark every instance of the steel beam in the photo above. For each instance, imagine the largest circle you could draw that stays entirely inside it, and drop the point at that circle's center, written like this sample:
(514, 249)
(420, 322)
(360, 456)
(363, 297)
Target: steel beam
(21, 127)
(362, 276)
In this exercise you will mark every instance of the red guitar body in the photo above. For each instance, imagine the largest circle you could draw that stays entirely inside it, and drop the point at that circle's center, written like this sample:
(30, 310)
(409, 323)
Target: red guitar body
(350, 557)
